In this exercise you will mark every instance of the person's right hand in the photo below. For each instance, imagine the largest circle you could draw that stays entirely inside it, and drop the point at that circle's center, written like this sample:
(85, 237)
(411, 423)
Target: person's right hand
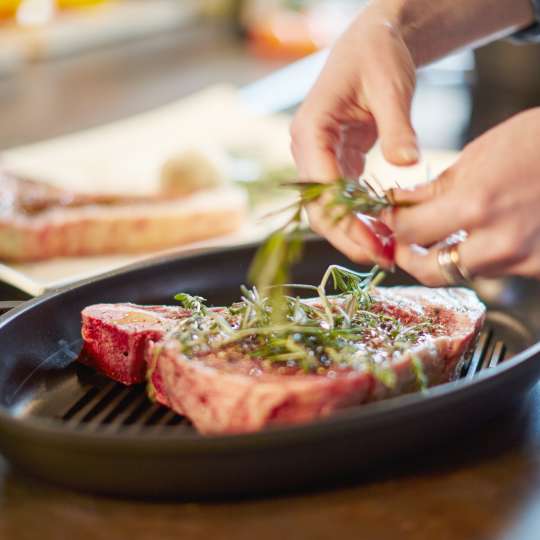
(363, 93)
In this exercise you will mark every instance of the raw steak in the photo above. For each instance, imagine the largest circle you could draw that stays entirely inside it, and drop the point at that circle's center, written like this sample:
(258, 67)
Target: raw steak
(231, 391)
(39, 221)
(116, 336)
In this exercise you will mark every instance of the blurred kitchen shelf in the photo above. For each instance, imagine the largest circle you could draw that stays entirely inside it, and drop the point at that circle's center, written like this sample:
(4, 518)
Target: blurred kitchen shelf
(81, 30)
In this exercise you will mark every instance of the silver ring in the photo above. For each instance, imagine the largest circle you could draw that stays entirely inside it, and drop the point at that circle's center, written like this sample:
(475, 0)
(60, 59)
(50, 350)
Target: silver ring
(451, 266)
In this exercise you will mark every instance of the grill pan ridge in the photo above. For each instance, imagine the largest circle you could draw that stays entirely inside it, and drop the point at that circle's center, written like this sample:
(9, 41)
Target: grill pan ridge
(63, 422)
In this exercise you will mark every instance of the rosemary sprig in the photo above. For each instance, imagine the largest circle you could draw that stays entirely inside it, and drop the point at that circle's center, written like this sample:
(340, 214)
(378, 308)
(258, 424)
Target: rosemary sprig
(193, 303)
(337, 331)
(334, 331)
(343, 196)
(275, 258)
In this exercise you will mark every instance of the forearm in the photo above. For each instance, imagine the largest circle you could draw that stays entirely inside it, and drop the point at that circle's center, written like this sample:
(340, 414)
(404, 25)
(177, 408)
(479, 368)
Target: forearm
(433, 28)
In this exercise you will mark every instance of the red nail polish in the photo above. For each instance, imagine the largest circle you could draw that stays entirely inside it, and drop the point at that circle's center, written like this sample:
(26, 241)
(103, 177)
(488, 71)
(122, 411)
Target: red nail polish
(383, 237)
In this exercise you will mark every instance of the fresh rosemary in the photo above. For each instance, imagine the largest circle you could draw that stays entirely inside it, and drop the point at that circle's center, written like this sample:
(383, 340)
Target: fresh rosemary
(196, 304)
(347, 330)
(325, 334)
(273, 261)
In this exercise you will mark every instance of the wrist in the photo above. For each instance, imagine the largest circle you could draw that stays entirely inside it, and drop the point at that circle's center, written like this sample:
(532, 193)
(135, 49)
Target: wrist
(432, 29)
(398, 18)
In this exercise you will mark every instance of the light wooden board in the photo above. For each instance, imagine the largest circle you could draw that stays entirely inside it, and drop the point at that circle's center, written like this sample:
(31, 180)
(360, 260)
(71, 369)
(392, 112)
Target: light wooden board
(126, 157)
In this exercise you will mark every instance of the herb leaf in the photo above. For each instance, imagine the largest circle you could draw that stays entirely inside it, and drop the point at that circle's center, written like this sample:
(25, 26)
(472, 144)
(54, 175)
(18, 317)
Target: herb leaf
(344, 331)
(419, 373)
(273, 261)
(193, 303)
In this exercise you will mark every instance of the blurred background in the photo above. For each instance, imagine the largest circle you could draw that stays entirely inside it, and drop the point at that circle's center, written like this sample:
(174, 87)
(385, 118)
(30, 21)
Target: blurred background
(70, 65)
(66, 65)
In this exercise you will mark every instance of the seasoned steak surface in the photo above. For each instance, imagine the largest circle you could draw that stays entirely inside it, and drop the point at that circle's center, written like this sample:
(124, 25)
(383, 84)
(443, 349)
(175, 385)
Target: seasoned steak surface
(232, 389)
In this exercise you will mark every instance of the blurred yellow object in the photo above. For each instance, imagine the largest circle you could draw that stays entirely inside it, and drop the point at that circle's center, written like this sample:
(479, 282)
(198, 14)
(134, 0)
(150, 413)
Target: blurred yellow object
(77, 3)
(8, 8)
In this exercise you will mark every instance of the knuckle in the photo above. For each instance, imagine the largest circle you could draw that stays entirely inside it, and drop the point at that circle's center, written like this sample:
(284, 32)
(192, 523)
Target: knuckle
(506, 250)
(358, 256)
(296, 127)
(476, 211)
(301, 124)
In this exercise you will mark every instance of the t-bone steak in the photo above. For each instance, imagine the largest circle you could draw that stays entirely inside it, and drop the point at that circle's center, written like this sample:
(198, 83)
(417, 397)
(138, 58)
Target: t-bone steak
(233, 388)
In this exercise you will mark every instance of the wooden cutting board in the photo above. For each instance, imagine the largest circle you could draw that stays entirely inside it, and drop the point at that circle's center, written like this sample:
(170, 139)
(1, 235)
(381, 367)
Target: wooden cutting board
(126, 157)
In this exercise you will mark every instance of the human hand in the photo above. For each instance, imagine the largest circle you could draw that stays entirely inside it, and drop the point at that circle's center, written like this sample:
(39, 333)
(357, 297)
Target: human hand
(493, 193)
(363, 93)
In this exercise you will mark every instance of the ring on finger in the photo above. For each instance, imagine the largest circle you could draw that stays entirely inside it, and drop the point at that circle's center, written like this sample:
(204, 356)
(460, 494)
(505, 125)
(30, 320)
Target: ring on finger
(451, 266)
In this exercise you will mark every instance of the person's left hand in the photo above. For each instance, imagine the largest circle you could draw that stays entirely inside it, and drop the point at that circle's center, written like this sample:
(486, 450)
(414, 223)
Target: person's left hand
(493, 193)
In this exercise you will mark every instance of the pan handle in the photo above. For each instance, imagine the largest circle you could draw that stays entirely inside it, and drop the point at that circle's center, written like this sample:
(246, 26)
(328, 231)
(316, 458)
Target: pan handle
(8, 305)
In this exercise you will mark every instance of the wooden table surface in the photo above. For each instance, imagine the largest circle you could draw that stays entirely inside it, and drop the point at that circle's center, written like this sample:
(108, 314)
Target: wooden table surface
(485, 486)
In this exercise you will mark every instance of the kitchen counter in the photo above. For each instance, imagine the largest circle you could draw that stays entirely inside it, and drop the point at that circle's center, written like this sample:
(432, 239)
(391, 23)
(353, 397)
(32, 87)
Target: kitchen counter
(48, 99)
(485, 486)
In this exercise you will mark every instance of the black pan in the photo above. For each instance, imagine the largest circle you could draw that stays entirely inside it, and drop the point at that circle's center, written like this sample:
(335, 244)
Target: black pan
(61, 422)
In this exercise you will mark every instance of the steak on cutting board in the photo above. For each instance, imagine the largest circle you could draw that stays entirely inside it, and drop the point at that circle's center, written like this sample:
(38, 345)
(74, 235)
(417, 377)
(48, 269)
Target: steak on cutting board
(232, 391)
(39, 221)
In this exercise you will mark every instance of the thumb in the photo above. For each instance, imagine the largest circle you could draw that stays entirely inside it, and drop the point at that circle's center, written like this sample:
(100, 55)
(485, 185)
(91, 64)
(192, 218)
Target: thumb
(422, 192)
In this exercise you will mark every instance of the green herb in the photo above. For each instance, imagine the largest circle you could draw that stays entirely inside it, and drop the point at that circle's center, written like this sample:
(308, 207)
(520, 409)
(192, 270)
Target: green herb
(343, 197)
(194, 303)
(418, 370)
(346, 330)
(267, 185)
(275, 258)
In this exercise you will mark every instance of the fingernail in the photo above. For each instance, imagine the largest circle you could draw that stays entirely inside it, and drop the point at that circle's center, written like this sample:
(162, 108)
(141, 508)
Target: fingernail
(409, 153)
(385, 242)
(388, 266)
(386, 216)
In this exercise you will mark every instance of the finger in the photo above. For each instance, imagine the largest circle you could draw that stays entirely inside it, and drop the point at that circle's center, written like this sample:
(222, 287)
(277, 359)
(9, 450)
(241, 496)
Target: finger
(374, 236)
(421, 263)
(314, 152)
(356, 139)
(391, 107)
(360, 242)
(423, 192)
(428, 222)
(479, 256)
(350, 249)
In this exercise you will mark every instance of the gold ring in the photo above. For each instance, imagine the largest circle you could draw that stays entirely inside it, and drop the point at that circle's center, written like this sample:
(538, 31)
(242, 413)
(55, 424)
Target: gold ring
(451, 266)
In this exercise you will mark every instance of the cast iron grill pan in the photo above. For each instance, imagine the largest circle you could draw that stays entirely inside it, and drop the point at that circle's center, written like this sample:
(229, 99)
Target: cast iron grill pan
(65, 423)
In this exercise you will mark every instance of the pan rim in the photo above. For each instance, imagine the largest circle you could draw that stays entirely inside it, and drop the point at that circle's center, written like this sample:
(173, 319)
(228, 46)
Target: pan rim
(340, 421)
